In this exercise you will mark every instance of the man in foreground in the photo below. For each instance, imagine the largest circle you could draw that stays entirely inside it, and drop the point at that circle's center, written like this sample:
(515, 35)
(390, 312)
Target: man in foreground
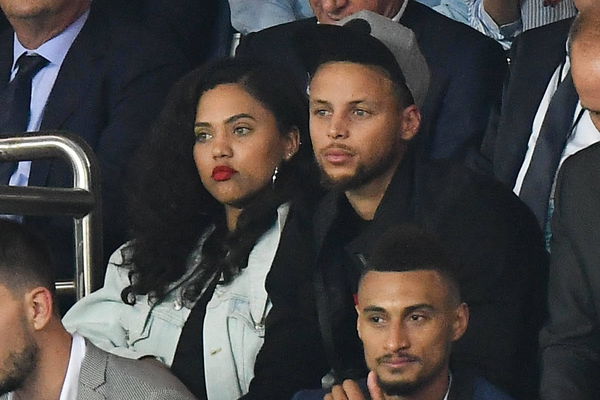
(410, 313)
(39, 359)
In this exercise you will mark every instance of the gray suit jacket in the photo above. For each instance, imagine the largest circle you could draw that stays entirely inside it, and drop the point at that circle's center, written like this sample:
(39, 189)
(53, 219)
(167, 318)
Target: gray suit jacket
(105, 376)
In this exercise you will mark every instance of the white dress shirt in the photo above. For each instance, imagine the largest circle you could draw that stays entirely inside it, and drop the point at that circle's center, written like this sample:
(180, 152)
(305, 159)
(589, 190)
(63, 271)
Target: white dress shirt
(71, 383)
(54, 50)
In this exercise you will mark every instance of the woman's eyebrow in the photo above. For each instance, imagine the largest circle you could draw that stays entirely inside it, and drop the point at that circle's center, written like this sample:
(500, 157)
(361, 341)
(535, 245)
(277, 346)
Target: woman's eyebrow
(235, 117)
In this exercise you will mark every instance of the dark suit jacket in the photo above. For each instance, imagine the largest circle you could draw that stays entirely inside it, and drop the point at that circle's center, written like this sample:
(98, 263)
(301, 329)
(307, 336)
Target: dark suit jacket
(110, 87)
(570, 341)
(3, 22)
(192, 25)
(501, 261)
(465, 386)
(534, 55)
(467, 69)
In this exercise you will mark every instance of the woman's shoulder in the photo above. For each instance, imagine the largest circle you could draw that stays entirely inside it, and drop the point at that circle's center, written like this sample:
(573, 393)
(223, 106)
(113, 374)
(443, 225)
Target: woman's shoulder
(119, 267)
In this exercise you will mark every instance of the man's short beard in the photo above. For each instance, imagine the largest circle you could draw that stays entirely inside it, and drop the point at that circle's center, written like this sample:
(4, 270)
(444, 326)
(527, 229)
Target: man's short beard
(361, 177)
(401, 388)
(19, 367)
(405, 388)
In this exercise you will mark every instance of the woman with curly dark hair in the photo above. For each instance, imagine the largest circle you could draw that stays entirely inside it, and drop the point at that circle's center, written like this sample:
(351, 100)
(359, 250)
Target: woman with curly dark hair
(216, 282)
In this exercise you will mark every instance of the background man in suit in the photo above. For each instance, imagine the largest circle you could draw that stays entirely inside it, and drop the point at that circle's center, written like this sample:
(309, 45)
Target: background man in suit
(410, 313)
(503, 20)
(92, 73)
(571, 338)
(363, 115)
(541, 122)
(39, 359)
(466, 67)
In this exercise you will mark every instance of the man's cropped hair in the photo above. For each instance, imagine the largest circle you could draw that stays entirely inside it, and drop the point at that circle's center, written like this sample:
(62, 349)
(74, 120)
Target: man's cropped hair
(405, 248)
(25, 260)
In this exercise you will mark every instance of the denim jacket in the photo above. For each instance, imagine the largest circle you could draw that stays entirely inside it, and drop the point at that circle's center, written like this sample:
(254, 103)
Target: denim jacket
(233, 326)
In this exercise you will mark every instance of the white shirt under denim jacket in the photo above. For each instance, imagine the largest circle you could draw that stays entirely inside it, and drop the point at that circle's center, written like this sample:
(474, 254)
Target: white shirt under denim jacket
(233, 326)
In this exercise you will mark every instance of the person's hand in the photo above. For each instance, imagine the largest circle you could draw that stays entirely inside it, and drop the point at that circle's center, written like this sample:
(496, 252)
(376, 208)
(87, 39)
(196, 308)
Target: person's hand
(350, 390)
(374, 389)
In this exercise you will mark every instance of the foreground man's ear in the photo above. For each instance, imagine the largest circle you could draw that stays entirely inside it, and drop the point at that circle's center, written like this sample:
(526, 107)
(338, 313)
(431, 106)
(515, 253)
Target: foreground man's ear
(461, 321)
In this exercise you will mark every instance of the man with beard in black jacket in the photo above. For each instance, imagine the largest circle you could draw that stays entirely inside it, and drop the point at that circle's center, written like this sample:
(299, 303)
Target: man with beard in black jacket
(365, 96)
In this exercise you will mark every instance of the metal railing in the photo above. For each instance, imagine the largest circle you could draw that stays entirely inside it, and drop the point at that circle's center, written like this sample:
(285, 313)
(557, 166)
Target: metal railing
(82, 201)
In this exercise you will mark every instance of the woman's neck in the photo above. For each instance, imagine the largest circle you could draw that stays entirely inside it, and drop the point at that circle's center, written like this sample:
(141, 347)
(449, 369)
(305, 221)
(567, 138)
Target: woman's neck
(232, 214)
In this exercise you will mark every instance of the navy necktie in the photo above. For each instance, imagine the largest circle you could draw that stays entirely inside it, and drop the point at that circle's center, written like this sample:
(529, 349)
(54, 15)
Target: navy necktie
(15, 102)
(555, 130)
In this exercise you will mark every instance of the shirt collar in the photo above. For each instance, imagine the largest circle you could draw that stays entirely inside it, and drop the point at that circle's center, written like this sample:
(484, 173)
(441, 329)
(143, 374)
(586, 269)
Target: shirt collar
(71, 382)
(449, 385)
(54, 50)
(396, 18)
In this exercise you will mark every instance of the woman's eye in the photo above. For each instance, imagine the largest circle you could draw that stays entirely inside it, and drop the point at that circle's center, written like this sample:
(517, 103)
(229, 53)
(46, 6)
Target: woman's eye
(361, 113)
(202, 137)
(241, 130)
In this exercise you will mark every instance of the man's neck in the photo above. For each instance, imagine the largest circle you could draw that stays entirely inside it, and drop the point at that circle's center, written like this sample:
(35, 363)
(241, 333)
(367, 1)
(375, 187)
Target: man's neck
(33, 32)
(47, 381)
(366, 199)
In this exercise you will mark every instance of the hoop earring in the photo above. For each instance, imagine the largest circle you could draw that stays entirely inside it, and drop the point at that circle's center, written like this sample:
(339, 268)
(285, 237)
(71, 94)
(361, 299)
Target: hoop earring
(274, 177)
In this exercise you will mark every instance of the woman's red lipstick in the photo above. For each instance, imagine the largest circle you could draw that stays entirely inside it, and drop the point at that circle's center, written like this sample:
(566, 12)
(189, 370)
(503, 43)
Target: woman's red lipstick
(223, 173)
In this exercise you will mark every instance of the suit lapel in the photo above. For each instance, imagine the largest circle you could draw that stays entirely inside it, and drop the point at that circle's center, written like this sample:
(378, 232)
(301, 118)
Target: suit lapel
(93, 373)
(79, 68)
(416, 19)
(462, 387)
(412, 18)
(6, 57)
(536, 61)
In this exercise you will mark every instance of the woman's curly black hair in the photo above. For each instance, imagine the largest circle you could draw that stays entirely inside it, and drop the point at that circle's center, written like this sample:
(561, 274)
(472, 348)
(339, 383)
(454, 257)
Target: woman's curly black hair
(169, 207)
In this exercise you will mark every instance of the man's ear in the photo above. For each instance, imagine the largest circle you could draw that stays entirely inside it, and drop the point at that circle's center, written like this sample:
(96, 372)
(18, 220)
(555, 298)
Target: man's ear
(411, 122)
(461, 321)
(292, 143)
(39, 305)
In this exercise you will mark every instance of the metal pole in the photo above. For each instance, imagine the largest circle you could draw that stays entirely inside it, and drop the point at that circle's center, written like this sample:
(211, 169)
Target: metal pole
(87, 229)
